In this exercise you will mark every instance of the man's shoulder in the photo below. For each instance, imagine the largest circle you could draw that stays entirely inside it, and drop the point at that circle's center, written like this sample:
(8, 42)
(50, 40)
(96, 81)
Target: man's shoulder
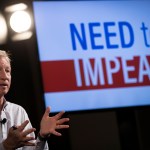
(10, 105)
(15, 113)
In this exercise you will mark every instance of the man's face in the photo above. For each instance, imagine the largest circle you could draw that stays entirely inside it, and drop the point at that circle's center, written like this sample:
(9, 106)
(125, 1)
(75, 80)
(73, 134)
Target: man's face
(5, 76)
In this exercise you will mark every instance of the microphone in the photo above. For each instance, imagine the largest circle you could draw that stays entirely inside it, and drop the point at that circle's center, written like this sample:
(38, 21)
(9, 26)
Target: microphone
(3, 121)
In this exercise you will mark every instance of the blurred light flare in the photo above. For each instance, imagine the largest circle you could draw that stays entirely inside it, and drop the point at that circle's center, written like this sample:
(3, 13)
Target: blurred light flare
(16, 7)
(20, 21)
(3, 30)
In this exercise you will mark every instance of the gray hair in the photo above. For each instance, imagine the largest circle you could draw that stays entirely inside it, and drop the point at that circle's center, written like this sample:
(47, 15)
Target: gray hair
(5, 54)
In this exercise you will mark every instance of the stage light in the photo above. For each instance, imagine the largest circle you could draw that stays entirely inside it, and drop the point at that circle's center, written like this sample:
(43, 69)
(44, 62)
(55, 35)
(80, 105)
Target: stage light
(22, 36)
(3, 30)
(20, 21)
(16, 7)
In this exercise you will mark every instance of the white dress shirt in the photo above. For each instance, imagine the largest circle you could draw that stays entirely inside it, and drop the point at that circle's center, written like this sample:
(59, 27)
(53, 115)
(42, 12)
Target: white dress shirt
(16, 115)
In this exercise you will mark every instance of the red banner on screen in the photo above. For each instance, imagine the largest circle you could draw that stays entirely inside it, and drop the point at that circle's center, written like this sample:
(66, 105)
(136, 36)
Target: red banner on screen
(61, 75)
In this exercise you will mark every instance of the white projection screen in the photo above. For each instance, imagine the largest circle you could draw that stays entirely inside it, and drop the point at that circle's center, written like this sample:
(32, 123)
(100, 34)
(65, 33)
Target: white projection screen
(94, 54)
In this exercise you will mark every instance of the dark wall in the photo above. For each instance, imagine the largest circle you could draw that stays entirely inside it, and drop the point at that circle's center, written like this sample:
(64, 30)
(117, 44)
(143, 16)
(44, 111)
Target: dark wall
(118, 129)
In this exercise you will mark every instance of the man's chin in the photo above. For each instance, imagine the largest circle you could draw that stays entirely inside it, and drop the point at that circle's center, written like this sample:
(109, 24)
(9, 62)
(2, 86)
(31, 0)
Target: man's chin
(2, 93)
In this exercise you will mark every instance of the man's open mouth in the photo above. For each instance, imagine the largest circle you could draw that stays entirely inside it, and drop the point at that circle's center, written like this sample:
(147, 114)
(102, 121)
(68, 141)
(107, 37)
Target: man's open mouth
(3, 85)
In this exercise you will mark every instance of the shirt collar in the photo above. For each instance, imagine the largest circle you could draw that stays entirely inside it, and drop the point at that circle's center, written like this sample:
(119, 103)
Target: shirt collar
(5, 104)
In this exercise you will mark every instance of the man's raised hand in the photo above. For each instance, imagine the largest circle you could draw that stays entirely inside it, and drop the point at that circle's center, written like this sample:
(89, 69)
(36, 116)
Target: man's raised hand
(50, 125)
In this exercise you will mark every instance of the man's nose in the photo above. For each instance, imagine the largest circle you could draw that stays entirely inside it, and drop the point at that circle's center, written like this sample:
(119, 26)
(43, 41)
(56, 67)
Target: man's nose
(3, 75)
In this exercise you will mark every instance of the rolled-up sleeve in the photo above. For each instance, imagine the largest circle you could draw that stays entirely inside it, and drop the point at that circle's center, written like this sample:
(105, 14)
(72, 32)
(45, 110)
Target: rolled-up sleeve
(40, 145)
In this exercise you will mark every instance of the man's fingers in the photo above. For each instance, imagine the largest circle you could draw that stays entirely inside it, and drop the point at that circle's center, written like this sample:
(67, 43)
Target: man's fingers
(28, 138)
(59, 115)
(63, 120)
(29, 144)
(62, 126)
(47, 111)
(23, 125)
(56, 133)
(26, 132)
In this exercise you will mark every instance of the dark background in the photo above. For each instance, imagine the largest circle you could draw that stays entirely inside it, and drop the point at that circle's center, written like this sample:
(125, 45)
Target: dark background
(112, 129)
